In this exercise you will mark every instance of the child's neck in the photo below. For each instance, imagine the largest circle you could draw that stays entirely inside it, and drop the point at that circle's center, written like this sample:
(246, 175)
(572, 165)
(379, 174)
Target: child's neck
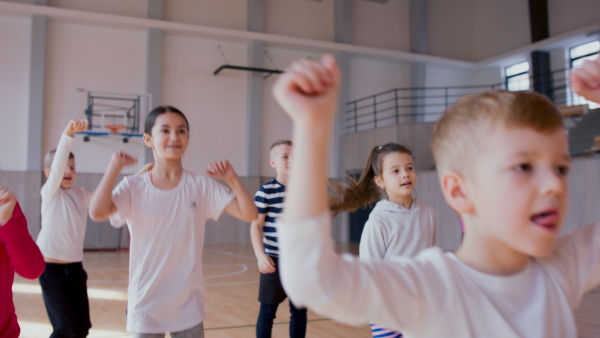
(489, 255)
(166, 174)
(282, 179)
(405, 201)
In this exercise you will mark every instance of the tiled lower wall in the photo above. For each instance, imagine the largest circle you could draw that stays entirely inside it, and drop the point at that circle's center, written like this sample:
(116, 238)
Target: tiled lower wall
(26, 186)
(584, 180)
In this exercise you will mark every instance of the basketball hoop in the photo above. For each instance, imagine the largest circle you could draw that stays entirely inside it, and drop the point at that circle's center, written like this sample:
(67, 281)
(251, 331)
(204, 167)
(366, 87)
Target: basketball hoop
(115, 128)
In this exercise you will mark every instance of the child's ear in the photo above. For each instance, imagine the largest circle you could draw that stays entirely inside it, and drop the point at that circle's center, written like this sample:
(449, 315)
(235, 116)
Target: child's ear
(454, 190)
(379, 181)
(47, 172)
(272, 163)
(148, 141)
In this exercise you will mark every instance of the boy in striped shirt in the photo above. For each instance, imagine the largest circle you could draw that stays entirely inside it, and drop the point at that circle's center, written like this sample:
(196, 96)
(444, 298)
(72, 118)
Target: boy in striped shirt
(269, 201)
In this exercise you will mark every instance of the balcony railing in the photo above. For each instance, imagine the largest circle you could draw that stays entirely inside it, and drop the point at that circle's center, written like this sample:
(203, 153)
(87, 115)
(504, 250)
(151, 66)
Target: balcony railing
(427, 104)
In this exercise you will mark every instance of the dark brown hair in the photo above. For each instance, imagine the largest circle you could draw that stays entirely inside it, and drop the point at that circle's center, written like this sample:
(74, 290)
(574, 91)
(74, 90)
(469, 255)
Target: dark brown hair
(151, 119)
(355, 194)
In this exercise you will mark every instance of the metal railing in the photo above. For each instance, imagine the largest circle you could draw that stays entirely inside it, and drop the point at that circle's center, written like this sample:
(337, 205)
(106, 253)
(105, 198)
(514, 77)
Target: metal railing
(427, 104)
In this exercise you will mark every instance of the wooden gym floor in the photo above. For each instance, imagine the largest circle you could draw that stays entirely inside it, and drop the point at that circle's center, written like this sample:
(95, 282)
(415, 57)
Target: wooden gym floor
(231, 282)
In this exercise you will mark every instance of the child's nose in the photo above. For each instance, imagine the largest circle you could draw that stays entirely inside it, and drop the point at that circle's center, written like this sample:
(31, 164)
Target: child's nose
(552, 183)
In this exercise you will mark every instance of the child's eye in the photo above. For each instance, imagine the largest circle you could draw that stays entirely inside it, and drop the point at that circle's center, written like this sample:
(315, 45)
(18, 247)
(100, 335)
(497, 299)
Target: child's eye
(182, 131)
(562, 170)
(410, 168)
(525, 167)
(164, 131)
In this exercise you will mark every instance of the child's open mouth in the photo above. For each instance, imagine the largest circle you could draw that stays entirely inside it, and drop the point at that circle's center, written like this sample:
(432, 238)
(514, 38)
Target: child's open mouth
(406, 184)
(547, 220)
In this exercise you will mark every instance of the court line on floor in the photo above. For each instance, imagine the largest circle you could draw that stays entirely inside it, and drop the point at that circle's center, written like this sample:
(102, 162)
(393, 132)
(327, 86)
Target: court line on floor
(254, 325)
(239, 272)
(229, 253)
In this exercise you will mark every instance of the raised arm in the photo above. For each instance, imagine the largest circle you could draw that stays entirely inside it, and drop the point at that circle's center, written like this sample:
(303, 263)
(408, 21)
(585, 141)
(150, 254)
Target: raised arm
(343, 288)
(57, 169)
(585, 80)
(102, 206)
(242, 206)
(25, 256)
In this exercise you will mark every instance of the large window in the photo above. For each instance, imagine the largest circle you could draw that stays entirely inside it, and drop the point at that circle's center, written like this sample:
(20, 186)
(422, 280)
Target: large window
(517, 76)
(583, 52)
(577, 55)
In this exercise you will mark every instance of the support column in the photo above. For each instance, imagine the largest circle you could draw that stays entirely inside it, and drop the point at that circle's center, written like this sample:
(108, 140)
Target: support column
(154, 47)
(342, 34)
(419, 43)
(342, 14)
(254, 108)
(540, 60)
(37, 67)
(35, 124)
(254, 90)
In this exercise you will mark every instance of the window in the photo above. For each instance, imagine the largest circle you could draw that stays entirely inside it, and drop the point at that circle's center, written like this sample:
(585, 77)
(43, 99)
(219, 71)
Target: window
(577, 55)
(517, 76)
(583, 52)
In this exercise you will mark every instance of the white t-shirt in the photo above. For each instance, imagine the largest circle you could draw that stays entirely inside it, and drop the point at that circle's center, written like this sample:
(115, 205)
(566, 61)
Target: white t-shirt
(434, 294)
(64, 211)
(166, 284)
(392, 231)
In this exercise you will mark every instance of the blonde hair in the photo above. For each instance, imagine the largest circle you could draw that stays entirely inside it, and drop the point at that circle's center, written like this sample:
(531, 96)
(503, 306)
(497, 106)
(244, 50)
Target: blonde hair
(460, 131)
(278, 143)
(50, 157)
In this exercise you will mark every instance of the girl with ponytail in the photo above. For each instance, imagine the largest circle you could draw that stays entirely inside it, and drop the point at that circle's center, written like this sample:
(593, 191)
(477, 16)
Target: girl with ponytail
(399, 225)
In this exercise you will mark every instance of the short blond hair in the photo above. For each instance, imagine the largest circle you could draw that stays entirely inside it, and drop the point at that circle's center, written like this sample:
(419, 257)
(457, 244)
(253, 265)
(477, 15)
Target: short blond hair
(461, 130)
(50, 157)
(278, 143)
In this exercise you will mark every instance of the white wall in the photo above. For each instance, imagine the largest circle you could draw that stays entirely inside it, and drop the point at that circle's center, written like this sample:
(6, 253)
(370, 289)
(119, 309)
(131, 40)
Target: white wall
(215, 13)
(451, 29)
(276, 124)
(15, 40)
(370, 76)
(500, 26)
(214, 105)
(302, 19)
(381, 25)
(94, 58)
(136, 8)
(567, 15)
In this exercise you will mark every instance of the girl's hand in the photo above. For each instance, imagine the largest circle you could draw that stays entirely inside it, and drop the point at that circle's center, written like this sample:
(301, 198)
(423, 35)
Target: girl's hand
(76, 126)
(7, 205)
(585, 80)
(122, 159)
(222, 170)
(308, 90)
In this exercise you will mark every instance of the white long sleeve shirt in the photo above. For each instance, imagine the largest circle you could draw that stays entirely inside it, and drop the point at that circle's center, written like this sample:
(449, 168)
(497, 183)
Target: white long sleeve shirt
(393, 231)
(434, 294)
(64, 211)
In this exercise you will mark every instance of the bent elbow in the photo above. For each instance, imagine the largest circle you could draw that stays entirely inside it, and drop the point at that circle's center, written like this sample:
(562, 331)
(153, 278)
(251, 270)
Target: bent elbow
(251, 216)
(97, 216)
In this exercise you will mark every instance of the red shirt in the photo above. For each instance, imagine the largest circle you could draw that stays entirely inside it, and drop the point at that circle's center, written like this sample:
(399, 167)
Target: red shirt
(19, 253)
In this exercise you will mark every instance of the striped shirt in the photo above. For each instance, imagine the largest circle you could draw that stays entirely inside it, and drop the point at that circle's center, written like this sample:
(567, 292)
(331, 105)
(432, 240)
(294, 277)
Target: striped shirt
(269, 201)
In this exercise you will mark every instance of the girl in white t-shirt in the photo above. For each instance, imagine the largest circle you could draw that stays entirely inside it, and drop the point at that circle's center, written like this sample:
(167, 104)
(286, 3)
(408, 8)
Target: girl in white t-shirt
(165, 210)
(399, 225)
